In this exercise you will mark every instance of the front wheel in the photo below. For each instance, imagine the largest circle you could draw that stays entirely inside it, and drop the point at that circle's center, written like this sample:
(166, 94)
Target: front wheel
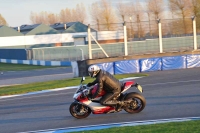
(79, 111)
(137, 103)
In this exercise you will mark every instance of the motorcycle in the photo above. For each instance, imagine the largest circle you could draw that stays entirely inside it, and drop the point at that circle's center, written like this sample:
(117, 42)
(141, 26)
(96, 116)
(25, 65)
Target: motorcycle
(83, 106)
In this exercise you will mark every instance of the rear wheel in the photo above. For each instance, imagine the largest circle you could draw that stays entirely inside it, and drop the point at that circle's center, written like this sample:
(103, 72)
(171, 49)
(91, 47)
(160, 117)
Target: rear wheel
(79, 111)
(137, 103)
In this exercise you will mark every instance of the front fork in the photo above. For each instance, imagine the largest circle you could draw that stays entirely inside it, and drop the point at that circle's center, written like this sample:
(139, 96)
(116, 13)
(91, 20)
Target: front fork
(80, 107)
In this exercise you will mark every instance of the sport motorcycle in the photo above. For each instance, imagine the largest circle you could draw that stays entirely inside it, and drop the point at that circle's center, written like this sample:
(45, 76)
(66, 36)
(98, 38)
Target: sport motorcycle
(83, 105)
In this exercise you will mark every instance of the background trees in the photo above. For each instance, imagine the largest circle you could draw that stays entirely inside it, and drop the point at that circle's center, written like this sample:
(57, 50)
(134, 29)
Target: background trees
(65, 15)
(102, 12)
(181, 9)
(142, 15)
(2, 20)
(195, 10)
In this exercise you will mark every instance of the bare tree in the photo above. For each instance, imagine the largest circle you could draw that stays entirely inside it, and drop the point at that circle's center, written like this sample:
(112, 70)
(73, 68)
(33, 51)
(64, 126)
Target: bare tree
(65, 15)
(52, 18)
(122, 10)
(181, 9)
(73, 16)
(80, 13)
(195, 11)
(130, 15)
(138, 15)
(77, 14)
(155, 9)
(104, 13)
(95, 12)
(194, 7)
(2, 20)
(38, 18)
(108, 15)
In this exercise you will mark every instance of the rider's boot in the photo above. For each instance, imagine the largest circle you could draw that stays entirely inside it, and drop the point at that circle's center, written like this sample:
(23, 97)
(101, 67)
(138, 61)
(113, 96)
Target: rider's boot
(119, 106)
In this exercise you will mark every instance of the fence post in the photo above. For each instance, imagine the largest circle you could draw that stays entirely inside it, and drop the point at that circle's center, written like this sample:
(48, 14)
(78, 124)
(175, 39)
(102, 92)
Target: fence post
(160, 35)
(125, 40)
(194, 32)
(89, 43)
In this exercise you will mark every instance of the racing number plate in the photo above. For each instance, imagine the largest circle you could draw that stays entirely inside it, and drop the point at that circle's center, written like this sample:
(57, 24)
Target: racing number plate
(139, 87)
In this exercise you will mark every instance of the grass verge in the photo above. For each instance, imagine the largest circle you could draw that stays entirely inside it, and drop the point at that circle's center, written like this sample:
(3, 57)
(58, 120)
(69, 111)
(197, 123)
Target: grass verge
(172, 127)
(21, 67)
(21, 89)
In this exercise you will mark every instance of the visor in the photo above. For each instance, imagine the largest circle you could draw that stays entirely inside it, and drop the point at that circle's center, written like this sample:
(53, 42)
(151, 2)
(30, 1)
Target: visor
(90, 73)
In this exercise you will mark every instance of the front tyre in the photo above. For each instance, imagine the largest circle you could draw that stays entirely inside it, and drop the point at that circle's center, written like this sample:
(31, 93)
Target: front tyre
(79, 111)
(137, 103)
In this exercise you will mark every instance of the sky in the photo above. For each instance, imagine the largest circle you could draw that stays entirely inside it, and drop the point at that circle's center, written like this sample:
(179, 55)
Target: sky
(17, 12)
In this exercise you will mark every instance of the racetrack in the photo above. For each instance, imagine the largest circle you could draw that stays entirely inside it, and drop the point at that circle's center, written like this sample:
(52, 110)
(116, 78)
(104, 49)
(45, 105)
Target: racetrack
(40, 75)
(169, 94)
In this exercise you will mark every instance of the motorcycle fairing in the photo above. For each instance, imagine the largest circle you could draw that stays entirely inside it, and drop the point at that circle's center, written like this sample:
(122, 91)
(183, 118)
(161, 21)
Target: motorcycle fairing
(127, 85)
(96, 107)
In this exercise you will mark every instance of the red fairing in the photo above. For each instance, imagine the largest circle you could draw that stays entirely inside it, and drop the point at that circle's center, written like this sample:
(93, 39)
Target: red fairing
(103, 110)
(127, 85)
(82, 99)
(94, 89)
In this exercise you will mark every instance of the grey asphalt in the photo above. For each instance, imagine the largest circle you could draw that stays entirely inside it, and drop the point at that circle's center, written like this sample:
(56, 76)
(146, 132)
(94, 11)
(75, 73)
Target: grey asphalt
(41, 75)
(169, 94)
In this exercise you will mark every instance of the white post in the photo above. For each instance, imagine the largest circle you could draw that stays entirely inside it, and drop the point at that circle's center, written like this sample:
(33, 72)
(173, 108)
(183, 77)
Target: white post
(194, 32)
(75, 69)
(160, 36)
(65, 26)
(125, 40)
(82, 54)
(89, 43)
(18, 29)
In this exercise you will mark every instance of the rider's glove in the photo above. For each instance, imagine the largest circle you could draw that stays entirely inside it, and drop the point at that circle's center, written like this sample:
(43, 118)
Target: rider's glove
(89, 96)
(89, 84)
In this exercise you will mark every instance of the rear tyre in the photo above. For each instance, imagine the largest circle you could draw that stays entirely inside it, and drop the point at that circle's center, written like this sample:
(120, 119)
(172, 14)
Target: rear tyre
(79, 111)
(137, 103)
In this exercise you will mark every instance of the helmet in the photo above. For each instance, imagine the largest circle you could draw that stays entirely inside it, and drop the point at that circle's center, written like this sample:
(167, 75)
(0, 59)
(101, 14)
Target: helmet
(93, 70)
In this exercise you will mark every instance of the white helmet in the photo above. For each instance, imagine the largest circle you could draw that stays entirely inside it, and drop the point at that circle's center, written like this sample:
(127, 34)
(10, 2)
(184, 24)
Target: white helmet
(93, 70)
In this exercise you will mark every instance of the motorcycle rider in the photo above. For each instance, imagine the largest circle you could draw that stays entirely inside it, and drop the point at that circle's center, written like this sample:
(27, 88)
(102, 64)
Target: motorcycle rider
(109, 83)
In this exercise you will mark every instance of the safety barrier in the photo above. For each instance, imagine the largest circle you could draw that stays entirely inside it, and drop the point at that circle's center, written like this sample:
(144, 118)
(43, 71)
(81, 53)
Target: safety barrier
(125, 66)
(152, 64)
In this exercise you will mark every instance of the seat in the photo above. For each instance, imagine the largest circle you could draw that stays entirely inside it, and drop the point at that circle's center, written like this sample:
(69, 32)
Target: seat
(122, 86)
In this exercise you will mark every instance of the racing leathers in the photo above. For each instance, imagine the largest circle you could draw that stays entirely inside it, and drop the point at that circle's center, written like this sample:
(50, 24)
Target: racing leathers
(111, 86)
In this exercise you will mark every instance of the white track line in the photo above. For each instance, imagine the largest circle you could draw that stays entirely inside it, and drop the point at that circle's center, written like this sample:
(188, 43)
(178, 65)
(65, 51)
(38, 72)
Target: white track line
(110, 125)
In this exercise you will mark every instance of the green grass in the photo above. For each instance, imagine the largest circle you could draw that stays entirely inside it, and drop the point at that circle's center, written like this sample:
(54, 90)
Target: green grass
(172, 127)
(21, 67)
(25, 88)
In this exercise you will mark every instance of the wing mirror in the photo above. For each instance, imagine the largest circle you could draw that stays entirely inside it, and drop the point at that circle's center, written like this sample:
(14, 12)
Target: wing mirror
(82, 79)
